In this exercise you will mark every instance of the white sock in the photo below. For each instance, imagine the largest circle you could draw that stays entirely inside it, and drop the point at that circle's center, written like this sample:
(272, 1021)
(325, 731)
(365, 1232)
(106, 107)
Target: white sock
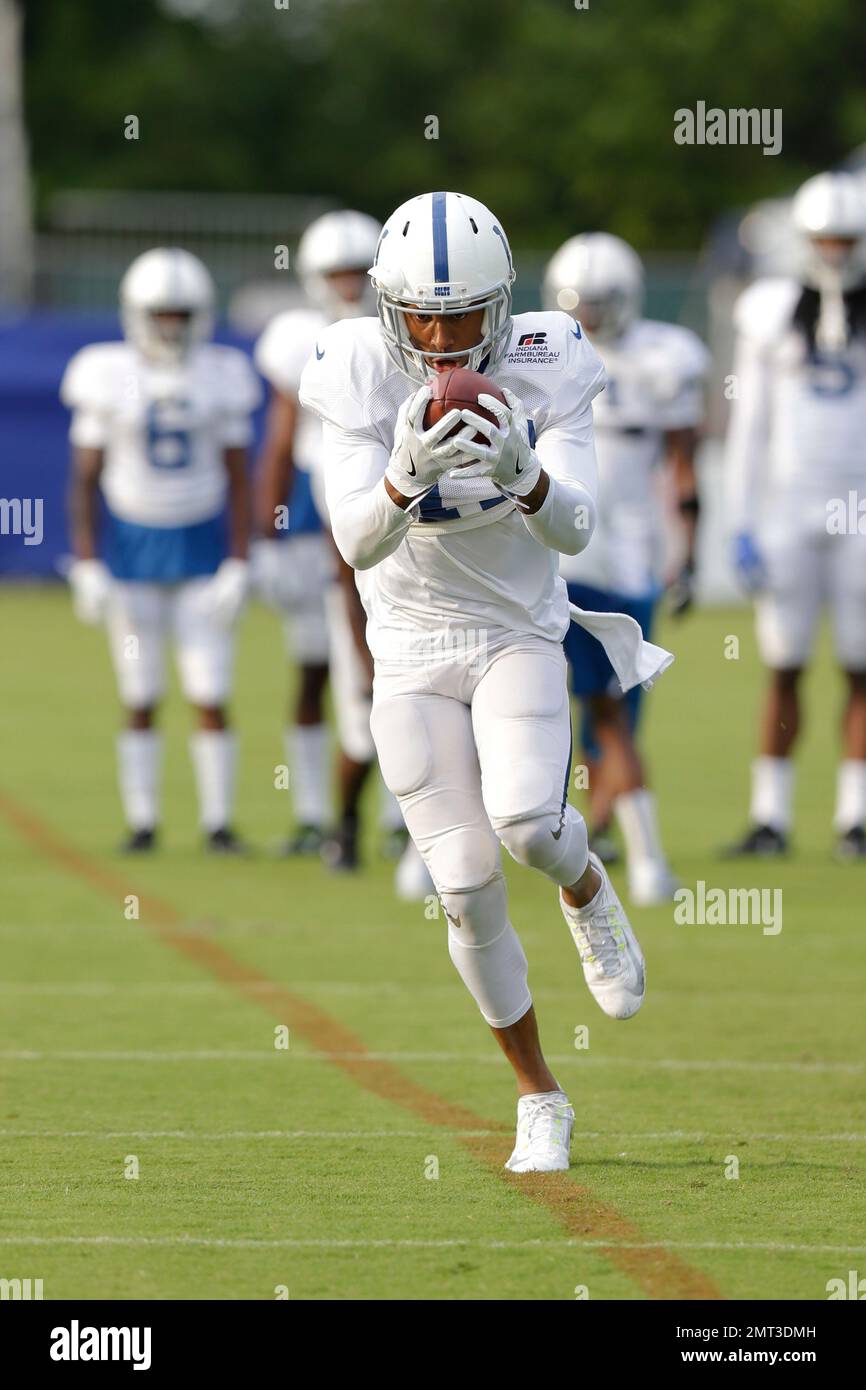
(308, 755)
(637, 815)
(214, 755)
(850, 795)
(138, 768)
(772, 792)
(390, 815)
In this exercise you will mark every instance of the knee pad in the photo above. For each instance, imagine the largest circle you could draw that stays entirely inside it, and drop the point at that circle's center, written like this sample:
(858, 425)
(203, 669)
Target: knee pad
(463, 861)
(487, 953)
(477, 916)
(555, 842)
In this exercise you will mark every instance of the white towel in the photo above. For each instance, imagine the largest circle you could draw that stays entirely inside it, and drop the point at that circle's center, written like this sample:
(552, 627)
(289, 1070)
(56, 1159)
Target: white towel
(635, 661)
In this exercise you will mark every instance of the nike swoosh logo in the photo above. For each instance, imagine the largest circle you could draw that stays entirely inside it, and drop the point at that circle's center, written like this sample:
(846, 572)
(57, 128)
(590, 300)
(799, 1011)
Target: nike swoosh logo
(576, 332)
(556, 833)
(319, 355)
(411, 470)
(517, 468)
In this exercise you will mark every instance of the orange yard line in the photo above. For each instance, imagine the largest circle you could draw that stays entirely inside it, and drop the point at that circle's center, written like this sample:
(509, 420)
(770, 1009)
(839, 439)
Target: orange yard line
(658, 1272)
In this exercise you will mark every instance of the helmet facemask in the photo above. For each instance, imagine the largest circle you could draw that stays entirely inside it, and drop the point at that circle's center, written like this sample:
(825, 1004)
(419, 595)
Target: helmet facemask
(415, 362)
(321, 291)
(606, 313)
(163, 339)
(833, 270)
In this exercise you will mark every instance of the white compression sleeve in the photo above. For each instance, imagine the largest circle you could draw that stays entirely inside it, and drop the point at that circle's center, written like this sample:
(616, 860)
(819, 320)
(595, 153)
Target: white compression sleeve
(566, 518)
(748, 431)
(366, 524)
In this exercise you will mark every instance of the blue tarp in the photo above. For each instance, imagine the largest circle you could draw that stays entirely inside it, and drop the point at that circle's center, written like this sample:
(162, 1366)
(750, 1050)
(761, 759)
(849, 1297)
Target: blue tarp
(34, 447)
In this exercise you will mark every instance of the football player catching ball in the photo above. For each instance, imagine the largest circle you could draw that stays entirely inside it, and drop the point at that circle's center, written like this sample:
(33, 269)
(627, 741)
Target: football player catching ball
(454, 529)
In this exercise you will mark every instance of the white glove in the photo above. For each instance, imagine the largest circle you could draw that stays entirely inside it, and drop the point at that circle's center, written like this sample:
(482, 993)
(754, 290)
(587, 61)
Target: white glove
(273, 573)
(90, 582)
(227, 592)
(508, 459)
(420, 457)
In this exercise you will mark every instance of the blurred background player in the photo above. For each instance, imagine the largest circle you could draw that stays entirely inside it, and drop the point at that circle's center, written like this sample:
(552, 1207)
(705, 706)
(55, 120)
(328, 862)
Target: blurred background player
(647, 415)
(796, 455)
(306, 577)
(160, 426)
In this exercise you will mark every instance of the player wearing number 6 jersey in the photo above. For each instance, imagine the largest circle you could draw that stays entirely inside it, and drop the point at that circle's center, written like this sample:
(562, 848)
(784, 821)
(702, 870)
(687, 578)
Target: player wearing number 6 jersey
(160, 425)
(455, 543)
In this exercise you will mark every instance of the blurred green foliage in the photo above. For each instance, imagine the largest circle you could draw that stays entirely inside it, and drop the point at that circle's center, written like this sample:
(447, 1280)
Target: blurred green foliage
(561, 118)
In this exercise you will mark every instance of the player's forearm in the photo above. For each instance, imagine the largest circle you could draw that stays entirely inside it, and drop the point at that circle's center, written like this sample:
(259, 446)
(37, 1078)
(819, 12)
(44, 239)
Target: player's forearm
(83, 503)
(368, 526)
(273, 485)
(747, 441)
(566, 518)
(82, 519)
(239, 507)
(276, 466)
(680, 451)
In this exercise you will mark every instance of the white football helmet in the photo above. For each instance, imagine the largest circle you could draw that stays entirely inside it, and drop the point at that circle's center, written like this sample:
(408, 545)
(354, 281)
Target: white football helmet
(443, 253)
(600, 275)
(167, 280)
(338, 241)
(834, 206)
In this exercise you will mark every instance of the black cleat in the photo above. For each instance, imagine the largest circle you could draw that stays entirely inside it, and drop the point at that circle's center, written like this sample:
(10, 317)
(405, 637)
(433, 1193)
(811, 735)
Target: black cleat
(139, 842)
(225, 841)
(851, 845)
(306, 840)
(340, 850)
(761, 842)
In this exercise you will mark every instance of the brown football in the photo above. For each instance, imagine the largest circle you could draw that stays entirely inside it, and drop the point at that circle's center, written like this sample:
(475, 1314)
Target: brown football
(458, 388)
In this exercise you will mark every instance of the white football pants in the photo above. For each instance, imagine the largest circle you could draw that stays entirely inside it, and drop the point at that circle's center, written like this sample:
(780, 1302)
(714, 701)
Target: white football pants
(477, 748)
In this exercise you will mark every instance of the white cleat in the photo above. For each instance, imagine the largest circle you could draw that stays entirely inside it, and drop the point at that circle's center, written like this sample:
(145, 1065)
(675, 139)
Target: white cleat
(613, 965)
(544, 1124)
(650, 882)
(412, 881)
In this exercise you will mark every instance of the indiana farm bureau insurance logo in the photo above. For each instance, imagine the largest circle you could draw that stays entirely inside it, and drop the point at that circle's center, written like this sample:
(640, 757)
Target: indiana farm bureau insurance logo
(531, 349)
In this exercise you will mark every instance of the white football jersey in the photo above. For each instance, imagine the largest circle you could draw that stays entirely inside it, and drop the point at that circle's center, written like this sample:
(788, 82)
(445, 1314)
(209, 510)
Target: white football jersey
(798, 418)
(163, 427)
(467, 559)
(281, 354)
(655, 377)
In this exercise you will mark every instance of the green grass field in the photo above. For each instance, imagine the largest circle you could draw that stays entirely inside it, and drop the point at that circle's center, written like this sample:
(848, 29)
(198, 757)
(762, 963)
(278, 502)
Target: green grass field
(309, 1169)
